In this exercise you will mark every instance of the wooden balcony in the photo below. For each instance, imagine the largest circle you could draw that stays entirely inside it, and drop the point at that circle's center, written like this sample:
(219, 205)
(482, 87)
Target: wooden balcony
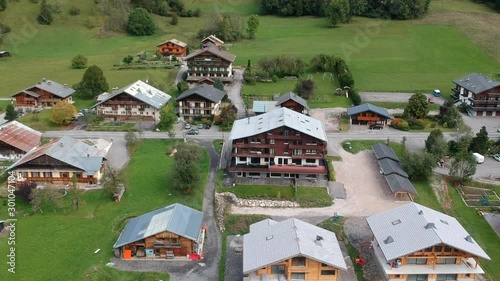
(252, 145)
(285, 137)
(60, 179)
(308, 156)
(253, 155)
(305, 146)
(121, 102)
(478, 102)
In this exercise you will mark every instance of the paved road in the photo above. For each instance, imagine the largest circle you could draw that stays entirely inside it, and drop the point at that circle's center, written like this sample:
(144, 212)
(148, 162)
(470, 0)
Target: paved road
(178, 78)
(234, 91)
(393, 97)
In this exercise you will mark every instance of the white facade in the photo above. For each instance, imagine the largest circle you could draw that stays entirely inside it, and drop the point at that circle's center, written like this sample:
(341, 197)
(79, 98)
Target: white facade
(133, 111)
(51, 175)
(198, 108)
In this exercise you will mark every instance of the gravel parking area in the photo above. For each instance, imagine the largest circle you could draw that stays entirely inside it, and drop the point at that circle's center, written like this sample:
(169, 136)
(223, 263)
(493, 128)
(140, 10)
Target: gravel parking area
(494, 220)
(329, 117)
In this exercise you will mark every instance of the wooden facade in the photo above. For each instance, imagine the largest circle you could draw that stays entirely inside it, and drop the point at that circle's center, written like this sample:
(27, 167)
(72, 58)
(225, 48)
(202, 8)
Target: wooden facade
(126, 107)
(212, 40)
(210, 62)
(165, 245)
(369, 118)
(479, 102)
(279, 153)
(293, 105)
(170, 48)
(297, 268)
(10, 152)
(41, 100)
(195, 105)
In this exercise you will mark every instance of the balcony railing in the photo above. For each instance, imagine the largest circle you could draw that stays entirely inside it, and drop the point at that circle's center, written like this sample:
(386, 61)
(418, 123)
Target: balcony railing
(121, 102)
(306, 146)
(481, 102)
(252, 145)
(51, 179)
(250, 154)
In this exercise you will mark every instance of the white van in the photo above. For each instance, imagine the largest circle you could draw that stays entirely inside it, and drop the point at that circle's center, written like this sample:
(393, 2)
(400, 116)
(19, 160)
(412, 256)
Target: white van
(479, 158)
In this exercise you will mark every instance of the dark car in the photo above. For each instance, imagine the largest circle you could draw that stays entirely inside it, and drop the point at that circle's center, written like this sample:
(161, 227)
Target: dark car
(376, 127)
(208, 126)
(192, 132)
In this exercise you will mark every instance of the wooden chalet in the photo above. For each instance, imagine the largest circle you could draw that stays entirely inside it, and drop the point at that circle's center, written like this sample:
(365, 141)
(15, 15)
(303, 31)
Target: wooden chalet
(212, 40)
(480, 93)
(200, 101)
(294, 102)
(172, 47)
(368, 114)
(210, 62)
(172, 232)
(42, 95)
(137, 101)
(394, 174)
(413, 242)
(291, 250)
(281, 144)
(17, 139)
(61, 159)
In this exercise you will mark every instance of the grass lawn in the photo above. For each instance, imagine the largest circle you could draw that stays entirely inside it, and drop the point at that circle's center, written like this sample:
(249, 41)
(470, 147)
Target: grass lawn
(70, 238)
(41, 121)
(115, 126)
(82, 103)
(218, 145)
(361, 145)
(3, 105)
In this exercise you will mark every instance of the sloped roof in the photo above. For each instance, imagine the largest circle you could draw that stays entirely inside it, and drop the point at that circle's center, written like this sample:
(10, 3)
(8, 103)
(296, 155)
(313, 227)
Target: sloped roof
(260, 106)
(382, 151)
(390, 167)
(476, 83)
(62, 91)
(176, 218)
(20, 136)
(206, 91)
(413, 227)
(213, 38)
(174, 41)
(399, 183)
(270, 242)
(71, 151)
(141, 91)
(275, 119)
(215, 51)
(368, 107)
(292, 96)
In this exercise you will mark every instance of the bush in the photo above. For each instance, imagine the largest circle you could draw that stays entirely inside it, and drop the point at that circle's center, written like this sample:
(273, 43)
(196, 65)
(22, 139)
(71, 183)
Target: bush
(175, 19)
(355, 97)
(396, 122)
(74, 11)
(4, 28)
(25, 190)
(305, 88)
(79, 62)
(403, 126)
(197, 12)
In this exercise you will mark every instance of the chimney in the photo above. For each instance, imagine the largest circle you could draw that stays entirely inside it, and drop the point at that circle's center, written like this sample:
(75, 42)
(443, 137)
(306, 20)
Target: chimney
(43, 79)
(61, 144)
(88, 155)
(48, 82)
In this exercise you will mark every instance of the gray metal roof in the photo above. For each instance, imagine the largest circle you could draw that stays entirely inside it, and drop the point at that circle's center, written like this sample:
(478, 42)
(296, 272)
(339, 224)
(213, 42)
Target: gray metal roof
(176, 218)
(292, 96)
(141, 91)
(269, 242)
(413, 227)
(206, 91)
(476, 83)
(282, 117)
(71, 151)
(382, 151)
(260, 106)
(398, 183)
(368, 107)
(62, 91)
(174, 41)
(390, 167)
(215, 51)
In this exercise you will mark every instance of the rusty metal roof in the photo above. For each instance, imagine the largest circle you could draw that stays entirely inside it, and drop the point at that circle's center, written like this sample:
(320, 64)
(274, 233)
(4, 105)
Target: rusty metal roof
(19, 136)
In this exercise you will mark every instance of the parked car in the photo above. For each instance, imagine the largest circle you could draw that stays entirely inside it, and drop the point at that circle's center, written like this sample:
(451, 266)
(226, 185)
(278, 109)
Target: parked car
(192, 132)
(497, 157)
(436, 93)
(208, 126)
(479, 158)
(376, 127)
(187, 126)
(201, 126)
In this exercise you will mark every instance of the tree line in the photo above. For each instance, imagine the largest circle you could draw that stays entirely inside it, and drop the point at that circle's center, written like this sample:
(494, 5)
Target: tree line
(394, 9)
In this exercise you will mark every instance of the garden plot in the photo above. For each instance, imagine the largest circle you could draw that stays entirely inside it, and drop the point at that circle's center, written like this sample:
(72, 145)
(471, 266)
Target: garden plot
(479, 197)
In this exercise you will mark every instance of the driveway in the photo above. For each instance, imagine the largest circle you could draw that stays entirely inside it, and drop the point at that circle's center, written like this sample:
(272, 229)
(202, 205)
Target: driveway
(183, 69)
(234, 92)
(394, 97)
(207, 269)
(367, 192)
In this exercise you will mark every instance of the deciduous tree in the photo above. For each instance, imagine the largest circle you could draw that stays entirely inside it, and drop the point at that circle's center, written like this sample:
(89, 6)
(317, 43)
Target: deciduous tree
(463, 165)
(167, 117)
(93, 83)
(338, 11)
(186, 172)
(75, 194)
(219, 84)
(25, 190)
(47, 197)
(140, 23)
(418, 165)
(182, 87)
(305, 88)
(436, 145)
(252, 26)
(3, 5)
(417, 106)
(111, 179)
(62, 112)
(79, 62)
